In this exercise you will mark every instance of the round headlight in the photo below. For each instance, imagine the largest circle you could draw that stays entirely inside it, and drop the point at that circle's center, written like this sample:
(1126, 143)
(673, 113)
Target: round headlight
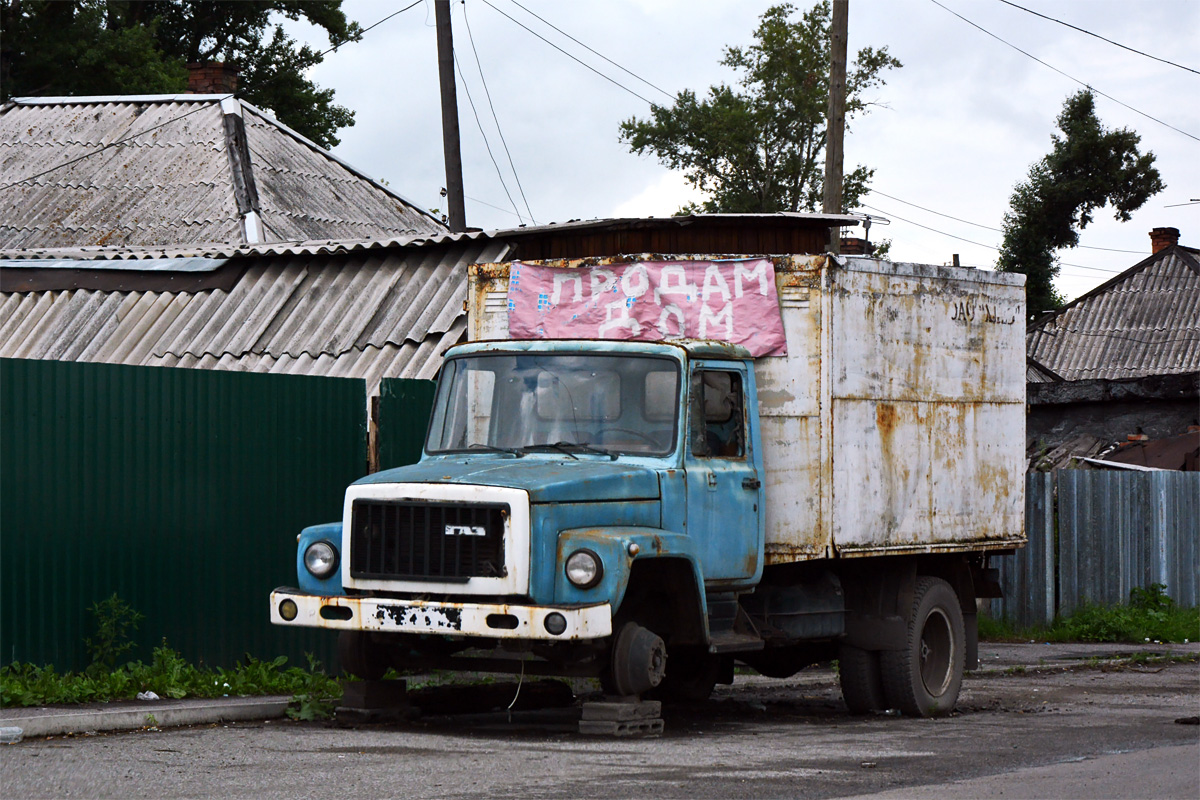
(320, 559)
(584, 569)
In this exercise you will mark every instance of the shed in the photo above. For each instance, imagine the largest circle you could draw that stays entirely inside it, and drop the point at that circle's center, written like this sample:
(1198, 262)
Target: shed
(1121, 361)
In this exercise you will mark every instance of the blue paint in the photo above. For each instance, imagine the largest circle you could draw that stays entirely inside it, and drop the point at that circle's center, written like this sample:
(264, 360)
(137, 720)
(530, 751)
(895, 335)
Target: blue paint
(331, 533)
(693, 504)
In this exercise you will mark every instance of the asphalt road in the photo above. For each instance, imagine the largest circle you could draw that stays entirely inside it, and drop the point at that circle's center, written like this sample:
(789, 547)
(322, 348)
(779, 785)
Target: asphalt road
(1057, 727)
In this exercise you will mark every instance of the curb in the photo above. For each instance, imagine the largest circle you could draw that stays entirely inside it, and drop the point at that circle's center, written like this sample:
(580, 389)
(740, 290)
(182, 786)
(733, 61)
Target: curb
(166, 715)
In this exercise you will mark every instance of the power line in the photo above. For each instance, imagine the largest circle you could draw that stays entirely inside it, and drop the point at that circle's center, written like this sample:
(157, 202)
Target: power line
(590, 50)
(1098, 36)
(486, 143)
(199, 108)
(997, 230)
(512, 166)
(980, 244)
(568, 55)
(489, 205)
(1060, 72)
(101, 149)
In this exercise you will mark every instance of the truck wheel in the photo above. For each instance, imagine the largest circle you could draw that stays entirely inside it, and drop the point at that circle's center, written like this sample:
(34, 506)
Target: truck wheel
(861, 677)
(360, 656)
(924, 678)
(639, 660)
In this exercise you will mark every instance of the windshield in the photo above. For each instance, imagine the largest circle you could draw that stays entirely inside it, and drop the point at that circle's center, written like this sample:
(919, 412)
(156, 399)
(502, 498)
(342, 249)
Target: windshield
(573, 404)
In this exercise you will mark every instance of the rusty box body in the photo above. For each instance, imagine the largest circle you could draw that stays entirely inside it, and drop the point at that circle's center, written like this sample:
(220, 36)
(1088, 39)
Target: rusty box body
(895, 424)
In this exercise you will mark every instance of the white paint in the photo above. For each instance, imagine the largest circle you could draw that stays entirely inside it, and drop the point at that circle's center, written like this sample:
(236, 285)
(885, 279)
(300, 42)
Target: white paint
(386, 615)
(516, 535)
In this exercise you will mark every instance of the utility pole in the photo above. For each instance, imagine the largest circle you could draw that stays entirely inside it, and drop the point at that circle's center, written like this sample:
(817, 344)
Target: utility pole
(835, 125)
(455, 208)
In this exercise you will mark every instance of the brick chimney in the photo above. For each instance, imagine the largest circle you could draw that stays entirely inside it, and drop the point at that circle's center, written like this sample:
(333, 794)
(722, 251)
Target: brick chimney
(212, 77)
(1162, 238)
(853, 247)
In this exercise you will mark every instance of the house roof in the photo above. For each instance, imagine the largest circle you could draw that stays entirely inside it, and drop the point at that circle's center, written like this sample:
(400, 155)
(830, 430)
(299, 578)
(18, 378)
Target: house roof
(170, 170)
(1145, 321)
(366, 314)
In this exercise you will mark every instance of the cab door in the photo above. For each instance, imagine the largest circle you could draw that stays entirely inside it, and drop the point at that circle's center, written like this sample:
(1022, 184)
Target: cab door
(724, 480)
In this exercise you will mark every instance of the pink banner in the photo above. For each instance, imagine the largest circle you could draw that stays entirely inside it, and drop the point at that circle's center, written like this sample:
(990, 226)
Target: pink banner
(730, 301)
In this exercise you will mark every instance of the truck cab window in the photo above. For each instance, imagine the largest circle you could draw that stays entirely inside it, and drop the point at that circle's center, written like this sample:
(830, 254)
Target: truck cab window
(717, 422)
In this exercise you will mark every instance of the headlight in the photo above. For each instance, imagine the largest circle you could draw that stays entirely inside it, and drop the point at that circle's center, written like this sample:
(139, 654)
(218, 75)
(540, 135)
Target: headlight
(320, 559)
(584, 569)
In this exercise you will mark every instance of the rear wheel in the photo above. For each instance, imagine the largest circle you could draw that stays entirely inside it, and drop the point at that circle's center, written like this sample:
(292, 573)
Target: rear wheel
(861, 676)
(923, 679)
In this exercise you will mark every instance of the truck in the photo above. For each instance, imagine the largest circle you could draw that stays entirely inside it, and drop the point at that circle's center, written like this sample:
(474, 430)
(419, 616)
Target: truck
(651, 504)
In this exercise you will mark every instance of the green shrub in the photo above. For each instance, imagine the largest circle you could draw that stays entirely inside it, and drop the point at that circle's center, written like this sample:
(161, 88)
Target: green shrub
(168, 675)
(1151, 615)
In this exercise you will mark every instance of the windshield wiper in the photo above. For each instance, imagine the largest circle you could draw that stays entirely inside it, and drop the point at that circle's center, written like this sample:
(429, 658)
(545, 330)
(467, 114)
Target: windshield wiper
(510, 450)
(564, 447)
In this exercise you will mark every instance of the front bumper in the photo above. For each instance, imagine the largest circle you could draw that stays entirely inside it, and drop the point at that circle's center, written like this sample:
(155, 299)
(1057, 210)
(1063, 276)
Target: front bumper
(491, 620)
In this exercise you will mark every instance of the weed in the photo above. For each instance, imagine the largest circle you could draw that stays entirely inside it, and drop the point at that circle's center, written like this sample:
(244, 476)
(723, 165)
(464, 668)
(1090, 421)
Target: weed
(1150, 616)
(115, 619)
(168, 675)
(315, 700)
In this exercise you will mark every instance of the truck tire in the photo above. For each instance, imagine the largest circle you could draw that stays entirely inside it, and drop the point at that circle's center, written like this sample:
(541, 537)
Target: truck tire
(861, 676)
(923, 679)
(639, 660)
(360, 656)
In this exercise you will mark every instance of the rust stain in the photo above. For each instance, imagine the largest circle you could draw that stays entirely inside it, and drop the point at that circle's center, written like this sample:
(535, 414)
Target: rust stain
(885, 421)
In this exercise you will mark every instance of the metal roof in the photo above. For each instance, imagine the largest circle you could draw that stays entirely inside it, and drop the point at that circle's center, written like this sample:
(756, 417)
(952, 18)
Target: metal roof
(158, 171)
(1145, 321)
(368, 314)
(326, 245)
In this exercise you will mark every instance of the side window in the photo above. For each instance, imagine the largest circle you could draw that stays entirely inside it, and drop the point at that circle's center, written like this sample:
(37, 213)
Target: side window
(716, 418)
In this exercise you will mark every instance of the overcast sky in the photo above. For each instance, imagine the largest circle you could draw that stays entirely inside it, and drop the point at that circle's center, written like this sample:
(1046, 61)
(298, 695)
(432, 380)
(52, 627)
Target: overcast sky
(954, 130)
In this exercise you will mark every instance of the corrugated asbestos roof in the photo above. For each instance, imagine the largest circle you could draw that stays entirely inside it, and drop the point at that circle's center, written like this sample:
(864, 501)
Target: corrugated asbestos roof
(166, 178)
(1146, 321)
(369, 315)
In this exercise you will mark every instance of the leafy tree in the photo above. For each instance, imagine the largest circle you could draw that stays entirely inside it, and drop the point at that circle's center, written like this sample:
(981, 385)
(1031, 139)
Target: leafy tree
(90, 47)
(1087, 168)
(759, 146)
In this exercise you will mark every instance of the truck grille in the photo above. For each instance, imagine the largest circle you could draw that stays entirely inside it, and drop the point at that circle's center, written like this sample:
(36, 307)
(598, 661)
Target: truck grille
(427, 541)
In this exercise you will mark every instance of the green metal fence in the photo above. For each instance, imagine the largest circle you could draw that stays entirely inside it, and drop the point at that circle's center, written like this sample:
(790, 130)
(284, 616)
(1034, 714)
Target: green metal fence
(181, 491)
(404, 407)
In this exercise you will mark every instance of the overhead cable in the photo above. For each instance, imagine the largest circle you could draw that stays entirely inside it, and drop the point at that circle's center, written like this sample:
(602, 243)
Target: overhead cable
(997, 230)
(496, 119)
(979, 244)
(486, 143)
(1087, 86)
(568, 55)
(590, 50)
(199, 108)
(1098, 36)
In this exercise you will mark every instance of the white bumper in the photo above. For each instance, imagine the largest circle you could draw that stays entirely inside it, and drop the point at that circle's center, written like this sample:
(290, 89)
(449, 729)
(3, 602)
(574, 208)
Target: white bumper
(492, 620)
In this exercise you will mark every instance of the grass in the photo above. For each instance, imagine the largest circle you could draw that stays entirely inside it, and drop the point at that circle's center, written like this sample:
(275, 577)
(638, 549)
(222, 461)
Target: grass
(1150, 616)
(169, 676)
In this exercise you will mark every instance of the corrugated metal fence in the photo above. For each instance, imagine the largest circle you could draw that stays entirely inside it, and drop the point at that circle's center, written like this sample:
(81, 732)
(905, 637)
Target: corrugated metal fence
(1115, 531)
(182, 491)
(404, 407)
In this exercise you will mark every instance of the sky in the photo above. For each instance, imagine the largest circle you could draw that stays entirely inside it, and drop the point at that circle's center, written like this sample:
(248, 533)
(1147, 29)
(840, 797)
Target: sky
(949, 136)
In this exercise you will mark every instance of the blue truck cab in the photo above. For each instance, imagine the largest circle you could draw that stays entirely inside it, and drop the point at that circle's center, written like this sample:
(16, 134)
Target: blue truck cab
(581, 508)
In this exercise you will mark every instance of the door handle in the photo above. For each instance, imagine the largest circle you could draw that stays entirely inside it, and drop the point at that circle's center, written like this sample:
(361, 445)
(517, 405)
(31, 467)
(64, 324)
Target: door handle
(751, 483)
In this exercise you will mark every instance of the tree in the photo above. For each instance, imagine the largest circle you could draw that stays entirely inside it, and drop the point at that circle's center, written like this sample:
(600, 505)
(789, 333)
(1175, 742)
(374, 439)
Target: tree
(93, 47)
(1087, 168)
(758, 147)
